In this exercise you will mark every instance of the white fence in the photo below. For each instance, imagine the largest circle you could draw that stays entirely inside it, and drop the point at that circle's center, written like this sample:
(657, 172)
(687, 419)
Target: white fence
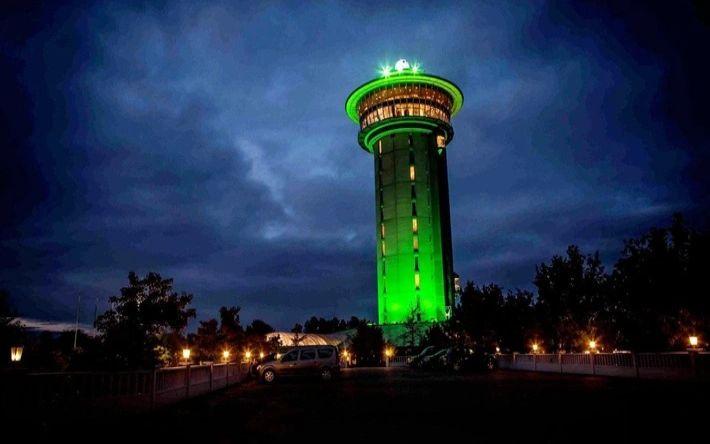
(399, 361)
(635, 365)
(134, 390)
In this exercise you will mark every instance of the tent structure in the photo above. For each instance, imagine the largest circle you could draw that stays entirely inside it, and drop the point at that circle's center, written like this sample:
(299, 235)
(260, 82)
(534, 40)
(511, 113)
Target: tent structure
(289, 339)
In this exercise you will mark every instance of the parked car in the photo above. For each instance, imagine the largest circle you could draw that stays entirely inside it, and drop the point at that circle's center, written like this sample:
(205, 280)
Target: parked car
(460, 359)
(314, 360)
(457, 359)
(254, 365)
(423, 355)
(436, 361)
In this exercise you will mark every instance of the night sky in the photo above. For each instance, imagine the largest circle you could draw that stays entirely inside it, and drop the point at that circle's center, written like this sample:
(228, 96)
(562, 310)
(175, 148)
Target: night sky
(208, 141)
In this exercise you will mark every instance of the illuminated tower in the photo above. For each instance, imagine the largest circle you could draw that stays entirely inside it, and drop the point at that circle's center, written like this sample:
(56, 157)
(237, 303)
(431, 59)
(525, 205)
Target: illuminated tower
(404, 118)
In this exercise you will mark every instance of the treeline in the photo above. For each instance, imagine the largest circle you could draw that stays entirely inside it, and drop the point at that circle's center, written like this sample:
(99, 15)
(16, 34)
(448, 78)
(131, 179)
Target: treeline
(653, 299)
(146, 327)
(655, 296)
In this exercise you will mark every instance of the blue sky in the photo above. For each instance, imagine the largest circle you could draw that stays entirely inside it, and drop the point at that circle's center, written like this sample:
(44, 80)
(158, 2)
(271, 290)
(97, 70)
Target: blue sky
(208, 141)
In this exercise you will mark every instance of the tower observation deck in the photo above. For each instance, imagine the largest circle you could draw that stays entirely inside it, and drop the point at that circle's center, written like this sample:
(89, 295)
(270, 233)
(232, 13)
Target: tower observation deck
(405, 122)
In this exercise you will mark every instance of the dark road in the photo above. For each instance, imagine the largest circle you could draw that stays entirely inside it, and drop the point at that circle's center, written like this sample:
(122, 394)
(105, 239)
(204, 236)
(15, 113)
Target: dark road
(377, 405)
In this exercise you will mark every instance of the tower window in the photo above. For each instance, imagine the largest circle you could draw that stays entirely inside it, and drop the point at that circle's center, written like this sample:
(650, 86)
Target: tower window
(412, 174)
(384, 249)
(382, 230)
(440, 141)
(379, 146)
(416, 281)
(416, 244)
(415, 226)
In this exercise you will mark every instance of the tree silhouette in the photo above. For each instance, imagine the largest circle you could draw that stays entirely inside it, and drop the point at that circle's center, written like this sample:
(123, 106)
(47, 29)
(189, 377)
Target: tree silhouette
(412, 329)
(146, 309)
(208, 341)
(324, 326)
(659, 282)
(368, 345)
(298, 337)
(571, 293)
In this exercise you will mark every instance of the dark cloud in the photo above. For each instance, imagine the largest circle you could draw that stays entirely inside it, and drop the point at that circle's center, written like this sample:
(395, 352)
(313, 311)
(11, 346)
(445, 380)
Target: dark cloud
(208, 141)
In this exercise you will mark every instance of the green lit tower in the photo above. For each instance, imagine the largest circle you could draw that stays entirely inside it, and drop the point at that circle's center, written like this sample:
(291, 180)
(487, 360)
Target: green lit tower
(404, 118)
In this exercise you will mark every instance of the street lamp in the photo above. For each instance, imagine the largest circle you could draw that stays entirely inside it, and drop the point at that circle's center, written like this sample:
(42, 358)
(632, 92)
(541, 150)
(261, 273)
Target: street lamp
(186, 355)
(693, 341)
(535, 347)
(592, 346)
(16, 353)
(247, 355)
(225, 355)
(388, 354)
(345, 357)
(261, 355)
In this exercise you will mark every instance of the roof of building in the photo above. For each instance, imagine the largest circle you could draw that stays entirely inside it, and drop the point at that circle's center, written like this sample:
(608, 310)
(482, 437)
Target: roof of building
(338, 339)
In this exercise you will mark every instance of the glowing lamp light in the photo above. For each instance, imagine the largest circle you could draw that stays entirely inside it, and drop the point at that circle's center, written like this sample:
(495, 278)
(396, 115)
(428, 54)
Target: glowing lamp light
(261, 355)
(186, 353)
(16, 353)
(401, 65)
(497, 349)
(592, 345)
(535, 347)
(389, 352)
(225, 355)
(415, 68)
(386, 71)
(247, 354)
(693, 340)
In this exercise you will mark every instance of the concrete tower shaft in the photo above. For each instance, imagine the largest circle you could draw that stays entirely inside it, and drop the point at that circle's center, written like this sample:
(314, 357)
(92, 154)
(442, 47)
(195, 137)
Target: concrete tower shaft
(404, 120)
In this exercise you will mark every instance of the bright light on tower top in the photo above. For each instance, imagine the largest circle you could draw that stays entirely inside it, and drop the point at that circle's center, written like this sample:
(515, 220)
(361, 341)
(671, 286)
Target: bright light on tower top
(401, 67)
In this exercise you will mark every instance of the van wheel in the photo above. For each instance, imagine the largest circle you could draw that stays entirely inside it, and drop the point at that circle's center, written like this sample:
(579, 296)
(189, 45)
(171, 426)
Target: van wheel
(326, 374)
(269, 376)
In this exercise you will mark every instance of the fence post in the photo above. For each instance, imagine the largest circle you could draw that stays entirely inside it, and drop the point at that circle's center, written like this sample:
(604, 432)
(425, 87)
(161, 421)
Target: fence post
(211, 376)
(693, 367)
(514, 360)
(634, 360)
(559, 360)
(226, 384)
(187, 381)
(591, 357)
(154, 389)
(534, 361)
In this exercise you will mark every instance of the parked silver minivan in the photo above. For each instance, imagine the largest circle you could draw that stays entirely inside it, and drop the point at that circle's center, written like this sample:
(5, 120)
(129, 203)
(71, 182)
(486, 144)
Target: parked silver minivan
(320, 360)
